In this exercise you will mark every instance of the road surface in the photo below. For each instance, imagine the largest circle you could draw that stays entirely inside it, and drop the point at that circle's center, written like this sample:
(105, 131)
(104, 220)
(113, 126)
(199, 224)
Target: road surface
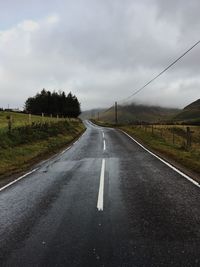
(104, 202)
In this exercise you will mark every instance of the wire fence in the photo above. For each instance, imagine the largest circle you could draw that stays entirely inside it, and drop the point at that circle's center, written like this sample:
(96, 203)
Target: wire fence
(186, 137)
(9, 120)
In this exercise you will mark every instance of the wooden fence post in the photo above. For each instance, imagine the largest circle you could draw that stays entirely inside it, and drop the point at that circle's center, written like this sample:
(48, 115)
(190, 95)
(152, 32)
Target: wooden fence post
(10, 122)
(152, 129)
(29, 118)
(189, 137)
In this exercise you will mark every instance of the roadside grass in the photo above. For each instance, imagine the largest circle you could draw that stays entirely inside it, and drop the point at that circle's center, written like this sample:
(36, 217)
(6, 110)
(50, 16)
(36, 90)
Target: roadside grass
(28, 144)
(189, 158)
(168, 141)
(21, 119)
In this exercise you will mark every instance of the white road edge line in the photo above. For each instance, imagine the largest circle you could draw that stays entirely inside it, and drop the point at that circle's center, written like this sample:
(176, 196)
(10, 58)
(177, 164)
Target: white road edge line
(101, 187)
(61, 153)
(165, 162)
(18, 179)
(104, 145)
(69, 147)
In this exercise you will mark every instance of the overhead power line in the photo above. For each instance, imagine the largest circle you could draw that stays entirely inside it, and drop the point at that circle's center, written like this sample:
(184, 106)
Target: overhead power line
(158, 75)
(110, 108)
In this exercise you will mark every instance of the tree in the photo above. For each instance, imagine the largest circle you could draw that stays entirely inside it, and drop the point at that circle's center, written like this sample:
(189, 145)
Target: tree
(53, 103)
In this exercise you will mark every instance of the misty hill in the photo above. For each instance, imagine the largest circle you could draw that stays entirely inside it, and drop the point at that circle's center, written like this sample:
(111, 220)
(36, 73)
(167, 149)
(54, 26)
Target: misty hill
(193, 106)
(145, 113)
(190, 113)
(92, 113)
(133, 113)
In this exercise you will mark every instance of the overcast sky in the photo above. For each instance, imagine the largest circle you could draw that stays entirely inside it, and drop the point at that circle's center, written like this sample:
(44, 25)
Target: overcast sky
(101, 50)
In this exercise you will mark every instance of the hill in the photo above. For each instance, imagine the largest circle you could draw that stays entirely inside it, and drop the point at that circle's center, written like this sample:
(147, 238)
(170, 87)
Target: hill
(133, 113)
(193, 106)
(190, 114)
(92, 113)
(145, 113)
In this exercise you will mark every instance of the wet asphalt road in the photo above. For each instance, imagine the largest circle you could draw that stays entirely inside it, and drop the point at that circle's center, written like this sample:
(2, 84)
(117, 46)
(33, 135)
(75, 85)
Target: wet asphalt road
(150, 217)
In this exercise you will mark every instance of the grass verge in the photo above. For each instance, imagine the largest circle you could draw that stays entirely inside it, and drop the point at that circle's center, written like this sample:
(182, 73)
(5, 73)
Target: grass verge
(27, 146)
(186, 160)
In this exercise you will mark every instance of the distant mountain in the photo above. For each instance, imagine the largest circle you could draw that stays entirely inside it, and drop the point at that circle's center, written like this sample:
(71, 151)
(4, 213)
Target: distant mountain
(133, 113)
(190, 113)
(193, 106)
(142, 113)
(92, 113)
(146, 113)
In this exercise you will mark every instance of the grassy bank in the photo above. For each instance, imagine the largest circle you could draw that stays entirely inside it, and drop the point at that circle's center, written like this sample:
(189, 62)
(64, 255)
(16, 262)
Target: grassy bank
(169, 142)
(26, 145)
(21, 119)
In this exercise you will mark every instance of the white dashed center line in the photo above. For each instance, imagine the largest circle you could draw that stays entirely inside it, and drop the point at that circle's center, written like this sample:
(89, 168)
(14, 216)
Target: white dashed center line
(104, 145)
(101, 187)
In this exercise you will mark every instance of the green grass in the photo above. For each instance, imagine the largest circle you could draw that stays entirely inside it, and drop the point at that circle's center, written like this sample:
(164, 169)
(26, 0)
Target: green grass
(188, 158)
(20, 119)
(28, 144)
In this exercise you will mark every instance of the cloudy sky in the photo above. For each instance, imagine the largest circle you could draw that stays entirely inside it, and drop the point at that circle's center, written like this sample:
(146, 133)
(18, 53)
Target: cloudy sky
(101, 50)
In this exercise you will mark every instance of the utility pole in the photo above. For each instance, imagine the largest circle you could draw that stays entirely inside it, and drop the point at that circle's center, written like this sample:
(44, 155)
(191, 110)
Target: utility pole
(116, 115)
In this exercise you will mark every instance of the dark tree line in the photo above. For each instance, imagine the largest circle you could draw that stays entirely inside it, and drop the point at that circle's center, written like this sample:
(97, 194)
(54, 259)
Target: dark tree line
(53, 104)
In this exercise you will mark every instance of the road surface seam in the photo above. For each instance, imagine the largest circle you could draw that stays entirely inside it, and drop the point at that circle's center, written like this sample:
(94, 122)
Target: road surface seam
(165, 162)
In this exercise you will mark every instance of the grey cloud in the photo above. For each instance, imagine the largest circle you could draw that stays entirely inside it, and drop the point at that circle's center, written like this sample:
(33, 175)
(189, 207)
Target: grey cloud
(104, 50)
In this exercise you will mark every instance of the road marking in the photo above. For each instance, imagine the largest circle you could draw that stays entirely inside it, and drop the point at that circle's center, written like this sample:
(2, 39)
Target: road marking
(68, 148)
(104, 145)
(101, 187)
(103, 135)
(61, 153)
(18, 179)
(165, 162)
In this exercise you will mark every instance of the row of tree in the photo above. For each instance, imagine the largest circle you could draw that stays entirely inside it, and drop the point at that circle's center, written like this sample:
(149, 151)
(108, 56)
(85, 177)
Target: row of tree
(56, 103)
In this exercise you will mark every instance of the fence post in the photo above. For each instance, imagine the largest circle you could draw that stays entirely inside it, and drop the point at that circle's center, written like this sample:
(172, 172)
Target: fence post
(189, 137)
(29, 118)
(42, 117)
(116, 114)
(173, 135)
(10, 121)
(152, 129)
